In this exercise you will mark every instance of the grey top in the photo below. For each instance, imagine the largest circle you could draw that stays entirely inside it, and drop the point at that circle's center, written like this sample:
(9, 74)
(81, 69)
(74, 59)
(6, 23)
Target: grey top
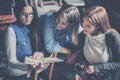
(14, 67)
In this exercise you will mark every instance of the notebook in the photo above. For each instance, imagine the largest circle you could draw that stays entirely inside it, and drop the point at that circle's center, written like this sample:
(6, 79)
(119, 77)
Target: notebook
(31, 61)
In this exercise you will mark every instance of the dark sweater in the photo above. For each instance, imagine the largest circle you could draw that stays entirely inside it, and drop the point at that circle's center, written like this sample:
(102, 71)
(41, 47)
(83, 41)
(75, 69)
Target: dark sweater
(112, 38)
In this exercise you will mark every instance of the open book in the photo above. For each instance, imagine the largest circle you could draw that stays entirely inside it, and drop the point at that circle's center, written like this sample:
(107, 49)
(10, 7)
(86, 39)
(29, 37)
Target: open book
(30, 61)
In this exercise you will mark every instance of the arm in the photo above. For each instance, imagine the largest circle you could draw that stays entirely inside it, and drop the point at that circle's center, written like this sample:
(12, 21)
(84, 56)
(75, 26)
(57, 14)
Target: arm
(107, 67)
(113, 42)
(51, 44)
(10, 46)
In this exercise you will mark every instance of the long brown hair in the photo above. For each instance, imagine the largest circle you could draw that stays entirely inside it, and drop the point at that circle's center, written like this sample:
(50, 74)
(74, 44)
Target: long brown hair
(34, 26)
(98, 16)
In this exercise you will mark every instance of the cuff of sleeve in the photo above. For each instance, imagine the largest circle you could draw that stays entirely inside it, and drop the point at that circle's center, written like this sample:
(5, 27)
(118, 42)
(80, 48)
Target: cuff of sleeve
(57, 48)
(96, 68)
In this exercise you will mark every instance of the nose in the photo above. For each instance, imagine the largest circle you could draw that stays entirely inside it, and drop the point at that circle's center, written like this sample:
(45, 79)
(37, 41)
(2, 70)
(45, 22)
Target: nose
(27, 16)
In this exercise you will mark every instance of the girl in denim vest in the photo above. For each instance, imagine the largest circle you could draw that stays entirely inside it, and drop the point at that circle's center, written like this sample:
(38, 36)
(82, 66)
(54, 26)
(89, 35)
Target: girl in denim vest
(21, 41)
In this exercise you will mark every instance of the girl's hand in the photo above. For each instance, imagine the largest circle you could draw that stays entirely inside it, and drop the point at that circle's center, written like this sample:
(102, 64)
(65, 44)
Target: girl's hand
(65, 51)
(90, 69)
(38, 56)
(77, 77)
(42, 67)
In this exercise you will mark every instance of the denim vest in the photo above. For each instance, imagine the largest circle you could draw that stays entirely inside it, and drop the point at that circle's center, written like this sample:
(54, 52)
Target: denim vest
(23, 47)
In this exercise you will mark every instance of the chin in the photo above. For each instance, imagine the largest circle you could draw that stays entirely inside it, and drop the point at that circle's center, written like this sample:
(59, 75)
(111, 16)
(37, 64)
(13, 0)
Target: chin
(85, 32)
(27, 23)
(59, 28)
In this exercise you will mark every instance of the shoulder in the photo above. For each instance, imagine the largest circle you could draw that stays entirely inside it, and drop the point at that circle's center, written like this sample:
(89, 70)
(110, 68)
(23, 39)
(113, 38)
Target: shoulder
(12, 27)
(112, 36)
(9, 31)
(112, 32)
(50, 15)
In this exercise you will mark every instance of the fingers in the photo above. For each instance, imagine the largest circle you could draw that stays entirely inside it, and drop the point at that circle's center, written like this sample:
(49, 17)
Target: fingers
(42, 67)
(90, 69)
(38, 65)
(35, 65)
(38, 55)
(45, 66)
(77, 77)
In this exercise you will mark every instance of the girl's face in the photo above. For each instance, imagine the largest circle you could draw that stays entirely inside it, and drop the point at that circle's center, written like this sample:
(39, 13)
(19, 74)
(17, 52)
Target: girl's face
(88, 28)
(61, 23)
(26, 16)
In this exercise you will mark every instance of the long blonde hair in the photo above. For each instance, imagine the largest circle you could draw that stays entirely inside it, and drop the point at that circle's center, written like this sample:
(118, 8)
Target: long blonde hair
(98, 16)
(72, 15)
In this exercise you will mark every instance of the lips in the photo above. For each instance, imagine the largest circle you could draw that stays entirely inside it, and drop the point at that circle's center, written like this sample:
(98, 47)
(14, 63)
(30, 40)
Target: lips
(58, 27)
(27, 21)
(84, 31)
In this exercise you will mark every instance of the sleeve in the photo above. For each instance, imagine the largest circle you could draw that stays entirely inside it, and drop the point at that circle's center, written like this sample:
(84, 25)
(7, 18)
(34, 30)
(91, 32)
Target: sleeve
(113, 40)
(10, 46)
(51, 44)
(107, 67)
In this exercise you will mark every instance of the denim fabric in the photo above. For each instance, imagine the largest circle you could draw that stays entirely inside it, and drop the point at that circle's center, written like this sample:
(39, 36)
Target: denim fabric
(23, 47)
(51, 35)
